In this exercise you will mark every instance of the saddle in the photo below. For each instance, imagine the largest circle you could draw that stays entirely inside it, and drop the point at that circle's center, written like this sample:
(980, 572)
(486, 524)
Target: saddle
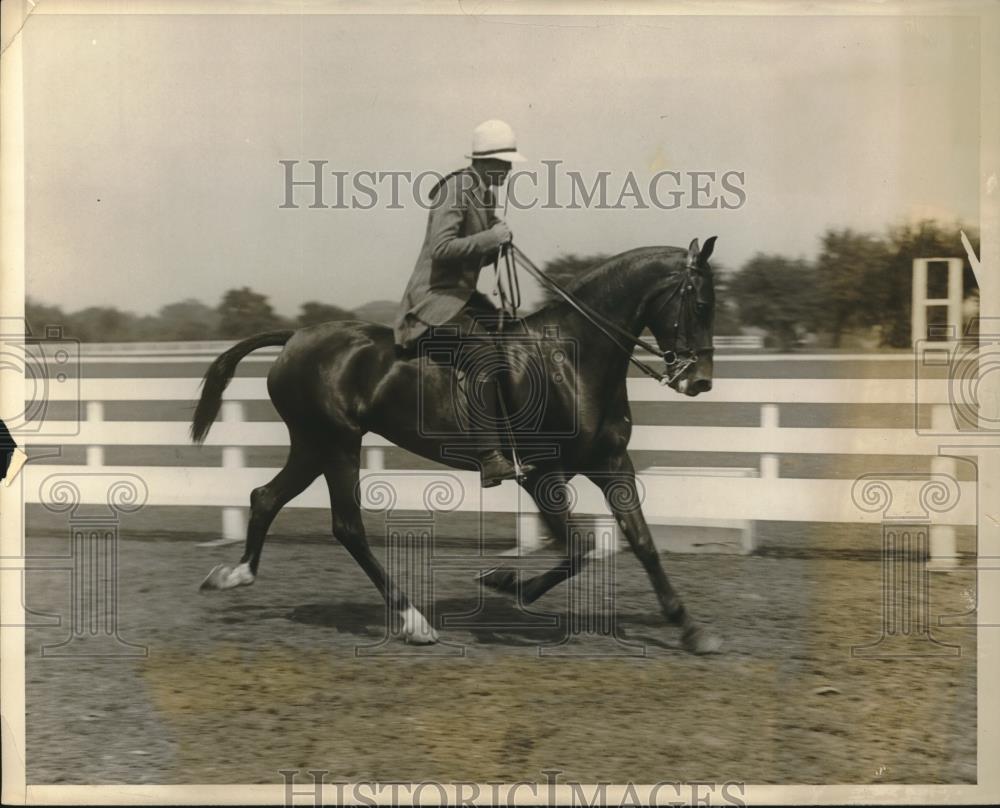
(435, 349)
(486, 324)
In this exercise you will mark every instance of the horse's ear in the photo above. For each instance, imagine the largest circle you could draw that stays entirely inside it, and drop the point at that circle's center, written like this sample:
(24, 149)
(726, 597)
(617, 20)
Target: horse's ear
(693, 249)
(706, 251)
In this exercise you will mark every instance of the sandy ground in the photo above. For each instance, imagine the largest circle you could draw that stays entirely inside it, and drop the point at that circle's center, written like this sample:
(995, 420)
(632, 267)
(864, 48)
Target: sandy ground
(294, 672)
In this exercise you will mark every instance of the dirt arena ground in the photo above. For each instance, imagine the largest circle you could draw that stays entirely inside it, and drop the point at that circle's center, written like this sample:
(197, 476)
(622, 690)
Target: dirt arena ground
(293, 673)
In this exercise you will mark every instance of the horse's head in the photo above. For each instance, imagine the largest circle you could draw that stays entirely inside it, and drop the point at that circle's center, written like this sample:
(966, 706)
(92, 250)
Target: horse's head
(681, 315)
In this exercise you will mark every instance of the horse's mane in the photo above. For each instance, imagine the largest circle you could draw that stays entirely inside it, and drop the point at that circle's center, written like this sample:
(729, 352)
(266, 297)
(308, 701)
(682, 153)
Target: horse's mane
(599, 279)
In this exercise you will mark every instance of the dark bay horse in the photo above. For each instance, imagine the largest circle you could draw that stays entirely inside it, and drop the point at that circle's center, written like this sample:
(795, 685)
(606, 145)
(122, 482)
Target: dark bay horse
(334, 382)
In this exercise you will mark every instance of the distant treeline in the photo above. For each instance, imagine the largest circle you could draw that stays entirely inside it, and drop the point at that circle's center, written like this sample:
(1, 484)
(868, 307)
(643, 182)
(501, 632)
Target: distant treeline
(240, 313)
(859, 285)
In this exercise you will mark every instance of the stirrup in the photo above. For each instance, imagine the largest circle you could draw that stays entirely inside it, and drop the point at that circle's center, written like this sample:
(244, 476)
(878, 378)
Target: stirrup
(495, 468)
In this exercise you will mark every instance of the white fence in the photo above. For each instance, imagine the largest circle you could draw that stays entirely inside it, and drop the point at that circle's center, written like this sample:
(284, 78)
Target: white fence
(691, 496)
(197, 348)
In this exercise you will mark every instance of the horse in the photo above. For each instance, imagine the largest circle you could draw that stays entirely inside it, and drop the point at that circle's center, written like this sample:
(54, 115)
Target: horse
(336, 381)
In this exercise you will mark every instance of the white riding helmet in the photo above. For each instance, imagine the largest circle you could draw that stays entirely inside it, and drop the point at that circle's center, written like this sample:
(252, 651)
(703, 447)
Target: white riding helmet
(495, 139)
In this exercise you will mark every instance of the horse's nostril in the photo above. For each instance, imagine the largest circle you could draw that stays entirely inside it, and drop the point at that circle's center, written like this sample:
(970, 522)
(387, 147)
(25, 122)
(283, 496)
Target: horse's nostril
(701, 386)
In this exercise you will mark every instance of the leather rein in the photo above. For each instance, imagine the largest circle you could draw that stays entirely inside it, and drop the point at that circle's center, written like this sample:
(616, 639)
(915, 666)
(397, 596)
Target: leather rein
(675, 362)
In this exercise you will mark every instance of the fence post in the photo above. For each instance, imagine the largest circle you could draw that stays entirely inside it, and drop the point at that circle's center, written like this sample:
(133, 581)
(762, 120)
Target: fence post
(234, 520)
(943, 546)
(375, 458)
(95, 415)
(530, 531)
(918, 316)
(769, 419)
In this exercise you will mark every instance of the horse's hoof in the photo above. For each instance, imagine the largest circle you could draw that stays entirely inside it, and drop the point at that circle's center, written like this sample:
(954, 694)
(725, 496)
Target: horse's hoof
(499, 580)
(700, 641)
(224, 576)
(416, 629)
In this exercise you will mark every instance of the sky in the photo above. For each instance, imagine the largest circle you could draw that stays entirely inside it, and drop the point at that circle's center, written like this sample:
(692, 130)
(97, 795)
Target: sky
(153, 141)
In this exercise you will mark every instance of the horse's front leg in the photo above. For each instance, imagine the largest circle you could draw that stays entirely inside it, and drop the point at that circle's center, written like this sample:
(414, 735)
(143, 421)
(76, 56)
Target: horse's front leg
(617, 482)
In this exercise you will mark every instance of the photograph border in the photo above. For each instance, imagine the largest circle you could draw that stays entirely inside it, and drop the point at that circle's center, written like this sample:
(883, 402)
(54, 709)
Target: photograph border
(12, 297)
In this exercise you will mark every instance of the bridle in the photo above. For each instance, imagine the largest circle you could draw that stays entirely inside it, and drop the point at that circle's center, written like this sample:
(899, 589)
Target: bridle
(676, 362)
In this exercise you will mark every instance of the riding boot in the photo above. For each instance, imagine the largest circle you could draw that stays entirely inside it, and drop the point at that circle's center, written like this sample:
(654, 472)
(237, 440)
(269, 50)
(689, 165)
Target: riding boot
(494, 466)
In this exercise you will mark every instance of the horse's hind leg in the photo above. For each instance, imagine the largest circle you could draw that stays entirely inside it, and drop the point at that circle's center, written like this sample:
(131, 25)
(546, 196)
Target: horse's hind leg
(302, 467)
(341, 473)
(550, 494)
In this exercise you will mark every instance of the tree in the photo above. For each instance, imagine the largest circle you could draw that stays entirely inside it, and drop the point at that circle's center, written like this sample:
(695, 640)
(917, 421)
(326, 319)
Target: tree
(314, 313)
(102, 324)
(40, 316)
(727, 314)
(378, 311)
(188, 319)
(148, 328)
(244, 312)
(848, 268)
(567, 269)
(777, 294)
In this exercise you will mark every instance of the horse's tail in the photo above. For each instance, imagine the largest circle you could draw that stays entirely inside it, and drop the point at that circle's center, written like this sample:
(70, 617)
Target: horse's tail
(220, 373)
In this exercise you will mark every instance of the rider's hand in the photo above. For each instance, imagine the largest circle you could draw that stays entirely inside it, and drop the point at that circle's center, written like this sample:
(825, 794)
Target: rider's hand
(502, 231)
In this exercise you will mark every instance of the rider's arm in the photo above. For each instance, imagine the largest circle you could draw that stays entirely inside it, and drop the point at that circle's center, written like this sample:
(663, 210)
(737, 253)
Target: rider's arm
(446, 224)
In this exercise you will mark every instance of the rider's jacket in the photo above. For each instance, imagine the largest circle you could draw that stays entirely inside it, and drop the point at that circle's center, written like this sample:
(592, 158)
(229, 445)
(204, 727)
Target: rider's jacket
(457, 245)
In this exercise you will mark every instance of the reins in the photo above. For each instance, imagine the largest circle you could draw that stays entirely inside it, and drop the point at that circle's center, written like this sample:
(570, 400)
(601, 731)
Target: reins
(675, 363)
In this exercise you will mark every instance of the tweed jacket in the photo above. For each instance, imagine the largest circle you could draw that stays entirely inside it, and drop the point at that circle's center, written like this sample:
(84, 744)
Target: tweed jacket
(458, 243)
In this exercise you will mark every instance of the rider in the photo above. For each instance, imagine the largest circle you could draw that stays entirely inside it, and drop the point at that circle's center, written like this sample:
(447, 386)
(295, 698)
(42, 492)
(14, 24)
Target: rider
(464, 235)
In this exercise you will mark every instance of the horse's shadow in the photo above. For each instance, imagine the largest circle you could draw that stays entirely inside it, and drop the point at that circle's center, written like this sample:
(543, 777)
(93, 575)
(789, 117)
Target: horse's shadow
(498, 620)
(489, 620)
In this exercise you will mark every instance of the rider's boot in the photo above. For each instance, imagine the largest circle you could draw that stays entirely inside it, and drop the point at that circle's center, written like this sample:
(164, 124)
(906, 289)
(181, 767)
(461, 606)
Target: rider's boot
(494, 466)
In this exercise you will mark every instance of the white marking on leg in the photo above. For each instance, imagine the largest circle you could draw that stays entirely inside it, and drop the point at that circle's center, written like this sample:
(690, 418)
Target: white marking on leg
(416, 629)
(241, 576)
(223, 576)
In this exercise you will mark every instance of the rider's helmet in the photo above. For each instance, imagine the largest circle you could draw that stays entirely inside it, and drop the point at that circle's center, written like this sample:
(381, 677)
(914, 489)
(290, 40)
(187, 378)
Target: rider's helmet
(495, 139)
